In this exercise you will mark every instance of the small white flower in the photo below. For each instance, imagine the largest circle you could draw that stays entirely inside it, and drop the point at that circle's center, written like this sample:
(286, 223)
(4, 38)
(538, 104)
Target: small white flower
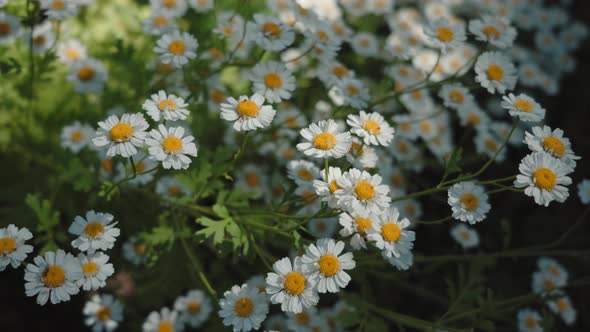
(175, 8)
(194, 308)
(177, 48)
(302, 172)
(164, 320)
(202, 6)
(95, 232)
(272, 80)
(59, 9)
(95, 271)
(523, 107)
(456, 96)
(365, 44)
(103, 313)
(544, 139)
(244, 308)
(123, 136)
(350, 92)
(13, 250)
(159, 22)
(489, 144)
(445, 35)
(495, 72)
(564, 308)
(546, 283)
(247, 113)
(391, 235)
(134, 251)
(170, 187)
(10, 27)
(324, 140)
(584, 191)
(43, 37)
(171, 147)
(88, 76)
(326, 189)
(76, 136)
(529, 321)
(556, 270)
(544, 178)
(469, 202)
(466, 236)
(494, 30)
(53, 277)
(371, 127)
(290, 286)
(326, 266)
(251, 178)
(270, 33)
(71, 51)
(403, 262)
(322, 227)
(362, 191)
(166, 107)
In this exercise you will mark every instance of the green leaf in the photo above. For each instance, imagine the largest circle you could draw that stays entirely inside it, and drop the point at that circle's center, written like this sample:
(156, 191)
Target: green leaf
(48, 219)
(452, 164)
(212, 228)
(159, 235)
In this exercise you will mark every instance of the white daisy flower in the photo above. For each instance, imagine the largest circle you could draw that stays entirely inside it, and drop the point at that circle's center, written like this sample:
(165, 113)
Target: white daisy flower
(326, 266)
(390, 234)
(365, 44)
(170, 187)
(166, 107)
(71, 51)
(362, 191)
(201, 6)
(43, 37)
(494, 30)
(544, 178)
(326, 189)
(103, 313)
(466, 236)
(53, 277)
(171, 147)
(88, 76)
(552, 142)
(488, 144)
(546, 283)
(301, 322)
(76, 136)
(194, 308)
(290, 286)
(230, 25)
(324, 140)
(9, 27)
(403, 262)
(95, 271)
(252, 180)
(361, 156)
(332, 72)
(123, 136)
(134, 251)
(13, 250)
(474, 117)
(495, 72)
(175, 8)
(276, 323)
(247, 113)
(529, 321)
(350, 92)
(59, 9)
(272, 80)
(270, 33)
(523, 107)
(356, 224)
(302, 172)
(163, 321)
(159, 23)
(584, 191)
(445, 35)
(409, 208)
(556, 270)
(177, 48)
(257, 282)
(469, 202)
(563, 307)
(456, 96)
(244, 308)
(371, 127)
(95, 232)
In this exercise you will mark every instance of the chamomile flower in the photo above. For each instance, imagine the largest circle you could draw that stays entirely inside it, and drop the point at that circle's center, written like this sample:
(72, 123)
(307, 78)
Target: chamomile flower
(584, 191)
(122, 135)
(326, 188)
(552, 142)
(466, 236)
(469, 202)
(247, 113)
(9, 27)
(365, 44)
(523, 107)
(552, 267)
(171, 147)
(244, 308)
(164, 320)
(13, 250)
(159, 22)
(134, 251)
(177, 48)
(324, 140)
(59, 9)
(175, 8)
(103, 313)
(167, 107)
(95, 271)
(258, 282)
(326, 265)
(95, 232)
(53, 277)
(544, 282)
(272, 80)
(361, 156)
(170, 187)
(390, 234)
(76, 136)
(290, 286)
(356, 224)
(42, 35)
(71, 51)
(201, 6)
(252, 180)
(544, 178)
(563, 307)
(488, 144)
(270, 33)
(371, 127)
(362, 191)
(495, 72)
(88, 76)
(529, 321)
(403, 262)
(445, 35)
(194, 308)
(456, 96)
(302, 172)
(493, 30)
(350, 92)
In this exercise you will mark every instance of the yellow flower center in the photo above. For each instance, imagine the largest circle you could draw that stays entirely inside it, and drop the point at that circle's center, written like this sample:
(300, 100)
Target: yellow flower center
(364, 190)
(166, 105)
(172, 144)
(305, 174)
(169, 3)
(324, 141)
(193, 308)
(294, 283)
(309, 196)
(523, 105)
(72, 54)
(215, 53)
(76, 136)
(362, 224)
(39, 40)
(397, 180)
(89, 269)
(403, 147)
(139, 248)
(302, 318)
(352, 90)
(140, 167)
(491, 145)
(554, 270)
(545, 178)
(271, 29)
(244, 307)
(107, 165)
(160, 20)
(252, 179)
(555, 145)
(93, 229)
(7, 245)
(173, 190)
(217, 96)
(340, 71)
(323, 36)
(54, 276)
(227, 31)
(356, 149)
(4, 29)
(473, 119)
(562, 305)
(425, 126)
(548, 284)
(329, 265)
(272, 81)
(469, 201)
(334, 186)
(247, 108)
(531, 323)
(177, 47)
(491, 32)
(58, 4)
(364, 43)
(445, 34)
(456, 97)
(103, 313)
(372, 127)
(391, 232)
(165, 326)
(121, 132)
(465, 235)
(291, 122)
(86, 74)
(495, 72)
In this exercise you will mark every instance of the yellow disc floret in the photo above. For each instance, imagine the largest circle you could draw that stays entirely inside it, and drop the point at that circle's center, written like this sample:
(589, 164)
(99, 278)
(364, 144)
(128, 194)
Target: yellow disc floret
(469, 201)
(93, 229)
(545, 178)
(495, 72)
(372, 127)
(445, 34)
(7, 245)
(364, 190)
(244, 307)
(391, 232)
(172, 144)
(329, 265)
(272, 81)
(54, 276)
(324, 141)
(294, 283)
(555, 145)
(247, 108)
(121, 132)
(177, 47)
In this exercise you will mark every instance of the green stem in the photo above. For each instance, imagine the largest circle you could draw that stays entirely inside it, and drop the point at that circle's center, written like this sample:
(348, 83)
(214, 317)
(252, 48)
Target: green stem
(198, 268)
